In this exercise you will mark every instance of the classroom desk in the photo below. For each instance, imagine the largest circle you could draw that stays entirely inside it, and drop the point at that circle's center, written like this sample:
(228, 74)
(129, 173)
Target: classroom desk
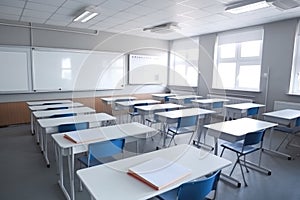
(172, 116)
(38, 103)
(209, 103)
(240, 110)
(111, 100)
(236, 130)
(48, 113)
(111, 181)
(45, 107)
(179, 99)
(130, 104)
(287, 119)
(151, 109)
(69, 149)
(50, 125)
(162, 96)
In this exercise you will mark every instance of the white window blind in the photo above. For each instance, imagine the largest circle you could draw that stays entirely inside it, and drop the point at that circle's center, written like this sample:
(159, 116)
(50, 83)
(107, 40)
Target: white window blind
(237, 59)
(184, 62)
(295, 73)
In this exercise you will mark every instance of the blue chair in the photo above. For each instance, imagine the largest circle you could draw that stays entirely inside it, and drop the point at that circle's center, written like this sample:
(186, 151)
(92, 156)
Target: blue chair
(289, 131)
(245, 147)
(252, 112)
(194, 190)
(166, 99)
(102, 150)
(135, 113)
(58, 108)
(216, 105)
(184, 125)
(72, 127)
(63, 115)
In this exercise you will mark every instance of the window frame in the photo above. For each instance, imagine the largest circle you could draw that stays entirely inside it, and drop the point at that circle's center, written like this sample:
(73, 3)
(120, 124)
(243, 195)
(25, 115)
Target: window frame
(238, 60)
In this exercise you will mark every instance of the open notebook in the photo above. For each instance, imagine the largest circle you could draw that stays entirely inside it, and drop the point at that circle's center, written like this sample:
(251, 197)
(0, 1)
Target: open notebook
(83, 137)
(158, 172)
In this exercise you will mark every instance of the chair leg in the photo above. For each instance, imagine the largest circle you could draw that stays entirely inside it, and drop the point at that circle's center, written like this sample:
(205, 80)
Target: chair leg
(247, 170)
(233, 167)
(242, 172)
(222, 152)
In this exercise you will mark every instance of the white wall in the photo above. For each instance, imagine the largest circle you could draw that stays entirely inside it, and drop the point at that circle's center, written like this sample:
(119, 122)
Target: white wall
(104, 41)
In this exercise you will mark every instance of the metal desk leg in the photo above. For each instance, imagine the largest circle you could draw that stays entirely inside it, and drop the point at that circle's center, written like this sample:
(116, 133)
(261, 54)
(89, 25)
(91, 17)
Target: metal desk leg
(45, 142)
(31, 123)
(71, 173)
(61, 174)
(269, 150)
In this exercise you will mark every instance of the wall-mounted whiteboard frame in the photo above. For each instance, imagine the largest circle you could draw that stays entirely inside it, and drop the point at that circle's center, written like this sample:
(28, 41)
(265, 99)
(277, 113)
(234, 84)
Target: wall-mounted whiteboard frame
(15, 69)
(77, 70)
(148, 69)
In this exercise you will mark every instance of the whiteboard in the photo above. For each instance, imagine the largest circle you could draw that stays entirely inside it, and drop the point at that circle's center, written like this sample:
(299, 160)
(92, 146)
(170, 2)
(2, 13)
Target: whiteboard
(65, 70)
(148, 69)
(14, 75)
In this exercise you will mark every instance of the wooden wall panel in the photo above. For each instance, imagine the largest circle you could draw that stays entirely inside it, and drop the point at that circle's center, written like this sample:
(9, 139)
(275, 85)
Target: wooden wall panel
(14, 113)
(18, 112)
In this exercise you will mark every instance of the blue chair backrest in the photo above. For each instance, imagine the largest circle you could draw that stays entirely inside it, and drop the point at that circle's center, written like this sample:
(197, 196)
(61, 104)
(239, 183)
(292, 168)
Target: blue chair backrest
(254, 137)
(167, 98)
(197, 189)
(139, 104)
(298, 121)
(252, 111)
(217, 105)
(63, 115)
(72, 127)
(187, 121)
(51, 103)
(106, 148)
(58, 108)
(188, 100)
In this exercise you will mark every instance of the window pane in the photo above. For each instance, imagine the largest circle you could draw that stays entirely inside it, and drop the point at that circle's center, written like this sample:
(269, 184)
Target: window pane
(249, 76)
(250, 48)
(227, 73)
(227, 50)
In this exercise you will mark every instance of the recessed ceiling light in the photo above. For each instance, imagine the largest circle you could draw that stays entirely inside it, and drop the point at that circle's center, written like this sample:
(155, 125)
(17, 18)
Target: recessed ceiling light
(246, 6)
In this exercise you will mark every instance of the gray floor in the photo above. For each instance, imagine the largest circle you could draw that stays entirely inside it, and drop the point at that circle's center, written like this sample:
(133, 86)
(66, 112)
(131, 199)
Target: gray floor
(24, 174)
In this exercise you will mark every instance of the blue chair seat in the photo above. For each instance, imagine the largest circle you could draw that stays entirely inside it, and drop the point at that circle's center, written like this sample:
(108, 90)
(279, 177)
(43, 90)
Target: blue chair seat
(239, 147)
(93, 161)
(193, 190)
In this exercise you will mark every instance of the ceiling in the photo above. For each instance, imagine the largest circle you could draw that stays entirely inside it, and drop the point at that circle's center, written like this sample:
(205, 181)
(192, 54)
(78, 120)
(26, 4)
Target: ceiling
(195, 17)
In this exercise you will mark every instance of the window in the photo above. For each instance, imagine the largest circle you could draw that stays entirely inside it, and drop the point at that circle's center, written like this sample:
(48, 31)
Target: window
(295, 74)
(238, 57)
(184, 62)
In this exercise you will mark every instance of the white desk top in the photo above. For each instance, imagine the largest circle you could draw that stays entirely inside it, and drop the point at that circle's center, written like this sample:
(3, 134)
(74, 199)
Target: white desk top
(45, 107)
(243, 106)
(163, 95)
(184, 113)
(53, 122)
(114, 99)
(37, 103)
(181, 97)
(161, 106)
(111, 181)
(49, 113)
(240, 127)
(288, 114)
(209, 101)
(134, 102)
(106, 133)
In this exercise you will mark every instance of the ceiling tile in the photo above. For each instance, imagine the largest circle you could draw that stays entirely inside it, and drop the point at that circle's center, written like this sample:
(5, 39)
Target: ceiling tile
(58, 22)
(117, 5)
(10, 10)
(33, 19)
(49, 2)
(157, 4)
(9, 16)
(140, 10)
(12, 3)
(91, 2)
(40, 7)
(36, 14)
(75, 5)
